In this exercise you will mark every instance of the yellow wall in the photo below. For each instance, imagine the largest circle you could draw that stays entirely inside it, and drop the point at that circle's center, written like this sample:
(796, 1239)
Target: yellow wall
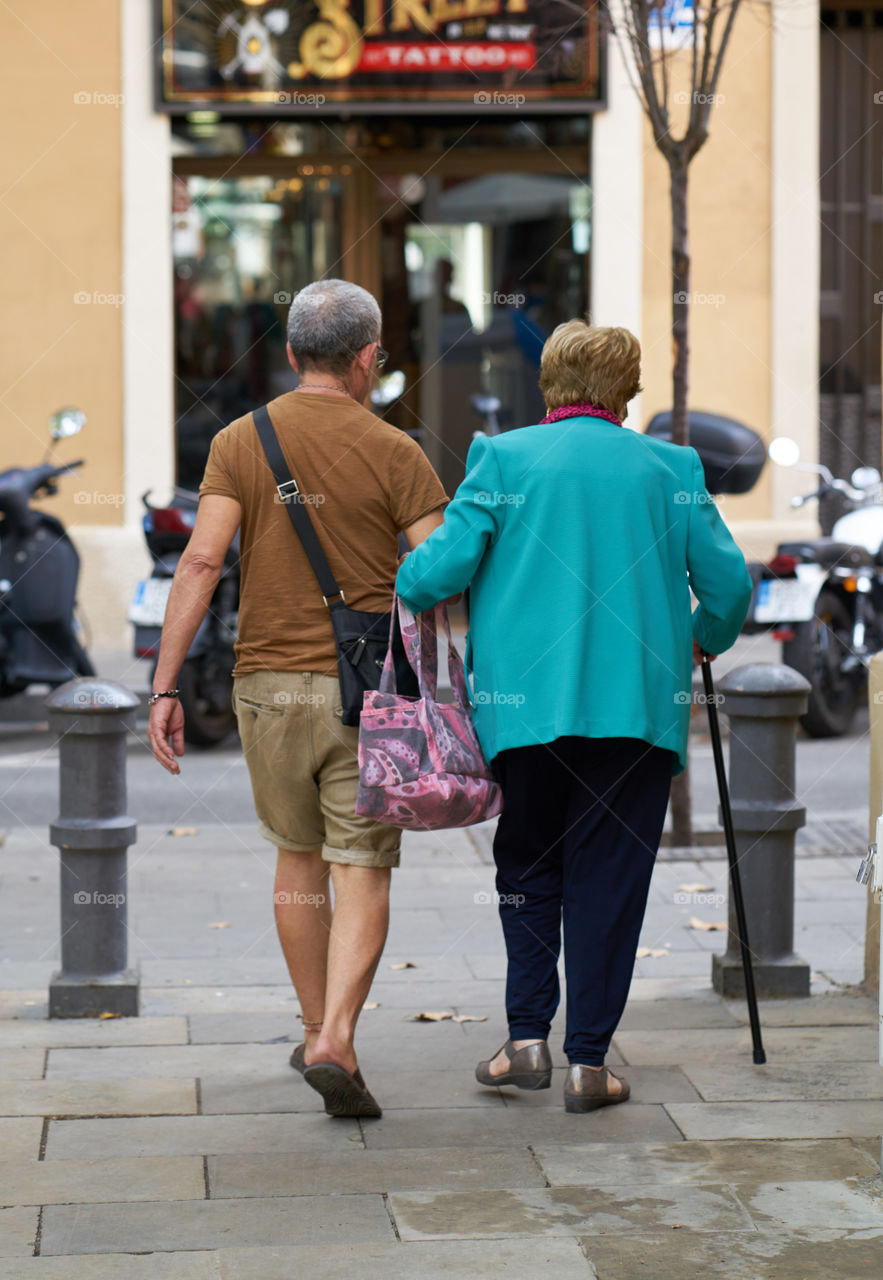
(60, 233)
(729, 220)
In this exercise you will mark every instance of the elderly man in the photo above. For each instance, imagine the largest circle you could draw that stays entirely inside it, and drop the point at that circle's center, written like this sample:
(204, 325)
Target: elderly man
(366, 482)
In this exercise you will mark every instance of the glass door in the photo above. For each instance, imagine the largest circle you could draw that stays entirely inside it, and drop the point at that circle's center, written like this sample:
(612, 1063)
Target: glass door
(242, 246)
(477, 271)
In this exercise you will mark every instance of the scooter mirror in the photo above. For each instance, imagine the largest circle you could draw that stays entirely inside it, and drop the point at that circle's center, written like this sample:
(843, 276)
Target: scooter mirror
(482, 403)
(66, 422)
(784, 451)
(865, 477)
(388, 389)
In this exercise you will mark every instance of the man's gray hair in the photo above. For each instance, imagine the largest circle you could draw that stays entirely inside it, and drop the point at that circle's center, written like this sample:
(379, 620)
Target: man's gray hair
(329, 322)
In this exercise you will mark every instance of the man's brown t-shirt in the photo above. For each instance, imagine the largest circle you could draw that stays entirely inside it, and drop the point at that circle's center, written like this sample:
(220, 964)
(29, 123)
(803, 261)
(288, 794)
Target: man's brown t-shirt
(362, 482)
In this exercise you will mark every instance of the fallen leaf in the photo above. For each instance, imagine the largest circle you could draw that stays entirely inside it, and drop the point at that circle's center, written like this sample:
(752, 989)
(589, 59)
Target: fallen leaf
(373, 1004)
(406, 964)
(220, 924)
(184, 831)
(675, 1226)
(696, 888)
(432, 1017)
(108, 1014)
(707, 925)
(469, 1017)
(655, 952)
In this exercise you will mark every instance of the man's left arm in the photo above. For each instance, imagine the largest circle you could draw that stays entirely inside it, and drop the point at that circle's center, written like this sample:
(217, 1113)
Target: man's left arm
(196, 577)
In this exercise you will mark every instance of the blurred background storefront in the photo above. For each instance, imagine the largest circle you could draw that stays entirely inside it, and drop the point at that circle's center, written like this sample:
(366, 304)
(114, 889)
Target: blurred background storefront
(452, 182)
(483, 166)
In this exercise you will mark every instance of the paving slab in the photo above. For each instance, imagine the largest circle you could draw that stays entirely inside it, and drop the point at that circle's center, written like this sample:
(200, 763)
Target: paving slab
(18, 1230)
(789, 1206)
(85, 1181)
(192, 998)
(184, 1062)
(835, 1010)
(717, 1120)
(20, 1138)
(816, 1044)
(511, 1126)
(354, 1171)
(97, 1098)
(96, 1032)
(700, 1162)
(673, 1015)
(794, 1081)
(213, 1224)
(199, 1135)
(730, 1255)
(438, 1260)
(22, 1063)
(115, 1266)
(566, 1211)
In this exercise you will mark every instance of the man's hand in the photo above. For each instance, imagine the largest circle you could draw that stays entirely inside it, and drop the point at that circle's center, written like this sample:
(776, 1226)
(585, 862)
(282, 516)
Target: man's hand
(167, 722)
(699, 654)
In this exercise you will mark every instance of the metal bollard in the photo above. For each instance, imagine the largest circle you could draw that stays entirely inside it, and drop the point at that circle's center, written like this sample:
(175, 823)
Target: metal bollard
(92, 832)
(763, 701)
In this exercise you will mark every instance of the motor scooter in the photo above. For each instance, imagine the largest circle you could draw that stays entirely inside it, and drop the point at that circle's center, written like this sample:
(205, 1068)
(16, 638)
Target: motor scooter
(39, 570)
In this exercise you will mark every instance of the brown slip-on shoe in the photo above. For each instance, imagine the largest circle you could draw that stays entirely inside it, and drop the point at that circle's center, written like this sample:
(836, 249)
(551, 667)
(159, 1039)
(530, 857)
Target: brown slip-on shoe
(297, 1057)
(345, 1094)
(586, 1090)
(529, 1068)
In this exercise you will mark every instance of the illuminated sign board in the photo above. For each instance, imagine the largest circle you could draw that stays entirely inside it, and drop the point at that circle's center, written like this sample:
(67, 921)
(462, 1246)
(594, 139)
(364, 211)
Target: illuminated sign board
(243, 56)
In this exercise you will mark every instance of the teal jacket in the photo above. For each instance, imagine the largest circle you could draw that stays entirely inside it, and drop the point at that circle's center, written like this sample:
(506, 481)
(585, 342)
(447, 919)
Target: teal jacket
(580, 541)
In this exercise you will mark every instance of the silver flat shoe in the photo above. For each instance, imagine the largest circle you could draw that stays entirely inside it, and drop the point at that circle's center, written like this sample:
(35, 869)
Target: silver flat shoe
(586, 1090)
(529, 1068)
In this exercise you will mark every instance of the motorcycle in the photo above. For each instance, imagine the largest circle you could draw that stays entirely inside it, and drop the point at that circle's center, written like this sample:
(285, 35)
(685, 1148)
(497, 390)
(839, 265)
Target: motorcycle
(39, 569)
(487, 407)
(823, 597)
(205, 680)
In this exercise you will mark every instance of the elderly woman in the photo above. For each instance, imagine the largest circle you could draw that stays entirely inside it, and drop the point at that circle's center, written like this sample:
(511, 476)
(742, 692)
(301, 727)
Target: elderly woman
(580, 541)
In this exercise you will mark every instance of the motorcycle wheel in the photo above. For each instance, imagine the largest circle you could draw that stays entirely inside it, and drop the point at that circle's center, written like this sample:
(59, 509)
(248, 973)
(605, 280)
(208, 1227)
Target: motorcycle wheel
(205, 691)
(817, 650)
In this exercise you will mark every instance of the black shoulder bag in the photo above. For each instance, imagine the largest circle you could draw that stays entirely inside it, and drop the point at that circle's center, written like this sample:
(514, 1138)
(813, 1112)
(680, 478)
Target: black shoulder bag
(362, 639)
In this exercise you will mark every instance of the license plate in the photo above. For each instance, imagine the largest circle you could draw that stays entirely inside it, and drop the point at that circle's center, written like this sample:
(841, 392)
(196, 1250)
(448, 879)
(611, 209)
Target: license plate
(148, 607)
(785, 600)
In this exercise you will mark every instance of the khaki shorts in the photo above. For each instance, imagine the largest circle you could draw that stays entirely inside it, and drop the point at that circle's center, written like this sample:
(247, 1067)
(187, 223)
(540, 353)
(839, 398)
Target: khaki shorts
(304, 768)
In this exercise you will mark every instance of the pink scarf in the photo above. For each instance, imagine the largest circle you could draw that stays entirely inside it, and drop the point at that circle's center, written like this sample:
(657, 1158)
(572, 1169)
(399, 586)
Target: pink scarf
(582, 410)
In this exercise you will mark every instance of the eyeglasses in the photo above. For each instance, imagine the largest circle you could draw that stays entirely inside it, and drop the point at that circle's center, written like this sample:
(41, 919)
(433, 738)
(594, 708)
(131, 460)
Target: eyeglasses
(380, 357)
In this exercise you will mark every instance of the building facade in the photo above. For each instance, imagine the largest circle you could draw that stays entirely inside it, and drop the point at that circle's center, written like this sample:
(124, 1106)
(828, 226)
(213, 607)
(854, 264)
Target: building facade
(155, 226)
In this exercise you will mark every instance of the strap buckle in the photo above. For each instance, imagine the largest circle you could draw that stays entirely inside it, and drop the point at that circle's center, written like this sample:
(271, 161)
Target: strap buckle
(339, 593)
(287, 490)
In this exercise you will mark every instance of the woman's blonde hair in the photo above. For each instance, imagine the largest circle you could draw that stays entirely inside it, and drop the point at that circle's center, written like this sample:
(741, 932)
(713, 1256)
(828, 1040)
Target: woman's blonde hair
(585, 362)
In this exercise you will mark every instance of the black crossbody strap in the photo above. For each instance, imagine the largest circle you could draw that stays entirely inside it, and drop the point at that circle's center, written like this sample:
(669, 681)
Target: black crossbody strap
(289, 494)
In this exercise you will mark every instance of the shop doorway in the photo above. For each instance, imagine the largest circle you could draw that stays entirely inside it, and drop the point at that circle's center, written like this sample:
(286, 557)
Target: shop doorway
(474, 254)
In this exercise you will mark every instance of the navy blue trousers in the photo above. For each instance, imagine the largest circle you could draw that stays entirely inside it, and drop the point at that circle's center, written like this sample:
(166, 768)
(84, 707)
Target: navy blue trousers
(576, 842)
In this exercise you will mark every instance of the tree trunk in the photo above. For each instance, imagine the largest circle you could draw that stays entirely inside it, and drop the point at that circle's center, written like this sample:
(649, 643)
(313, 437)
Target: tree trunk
(681, 815)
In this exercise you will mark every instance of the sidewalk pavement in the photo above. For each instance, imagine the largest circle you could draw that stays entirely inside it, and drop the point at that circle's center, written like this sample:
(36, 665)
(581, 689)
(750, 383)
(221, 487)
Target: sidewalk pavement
(181, 1145)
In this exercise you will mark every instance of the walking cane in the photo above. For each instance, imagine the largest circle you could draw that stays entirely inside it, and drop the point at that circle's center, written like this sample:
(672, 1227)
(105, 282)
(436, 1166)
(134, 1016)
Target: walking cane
(735, 877)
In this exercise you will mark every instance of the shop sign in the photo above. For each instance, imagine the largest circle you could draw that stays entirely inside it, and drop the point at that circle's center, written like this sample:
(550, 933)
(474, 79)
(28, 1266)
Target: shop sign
(350, 55)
